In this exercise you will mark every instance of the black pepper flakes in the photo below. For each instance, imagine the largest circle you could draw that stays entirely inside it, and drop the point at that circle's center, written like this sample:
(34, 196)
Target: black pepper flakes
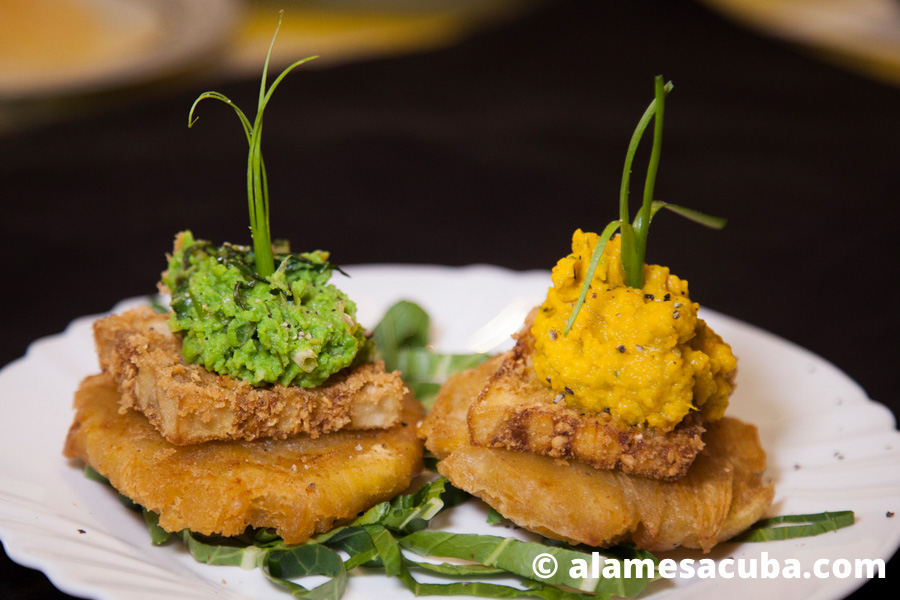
(648, 296)
(666, 297)
(553, 335)
(569, 391)
(621, 349)
(676, 314)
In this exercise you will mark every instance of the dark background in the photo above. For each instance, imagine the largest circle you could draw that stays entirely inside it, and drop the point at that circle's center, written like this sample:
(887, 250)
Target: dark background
(492, 151)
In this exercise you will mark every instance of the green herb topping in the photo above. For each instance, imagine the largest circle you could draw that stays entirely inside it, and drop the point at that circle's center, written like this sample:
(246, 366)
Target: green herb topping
(292, 327)
(264, 315)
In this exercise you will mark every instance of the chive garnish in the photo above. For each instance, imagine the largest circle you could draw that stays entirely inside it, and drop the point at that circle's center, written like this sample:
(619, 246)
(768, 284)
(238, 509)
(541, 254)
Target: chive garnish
(634, 233)
(257, 184)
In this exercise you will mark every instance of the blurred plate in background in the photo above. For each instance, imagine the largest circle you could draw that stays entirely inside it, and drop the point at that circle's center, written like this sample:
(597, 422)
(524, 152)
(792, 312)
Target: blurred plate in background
(863, 35)
(348, 30)
(64, 47)
(59, 48)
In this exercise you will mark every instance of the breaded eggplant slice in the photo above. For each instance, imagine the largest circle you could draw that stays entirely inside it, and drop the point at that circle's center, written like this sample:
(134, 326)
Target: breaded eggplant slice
(189, 404)
(516, 411)
(299, 486)
(722, 494)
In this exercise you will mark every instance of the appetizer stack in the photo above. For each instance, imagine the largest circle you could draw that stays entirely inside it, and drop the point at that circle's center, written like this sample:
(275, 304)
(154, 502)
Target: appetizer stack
(254, 402)
(604, 424)
(580, 472)
(216, 454)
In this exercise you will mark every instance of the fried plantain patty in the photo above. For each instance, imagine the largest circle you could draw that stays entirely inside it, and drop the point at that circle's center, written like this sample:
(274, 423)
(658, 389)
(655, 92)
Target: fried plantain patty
(721, 494)
(299, 486)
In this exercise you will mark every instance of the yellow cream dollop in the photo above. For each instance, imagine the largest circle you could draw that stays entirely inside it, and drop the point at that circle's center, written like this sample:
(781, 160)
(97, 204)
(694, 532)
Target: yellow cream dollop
(641, 354)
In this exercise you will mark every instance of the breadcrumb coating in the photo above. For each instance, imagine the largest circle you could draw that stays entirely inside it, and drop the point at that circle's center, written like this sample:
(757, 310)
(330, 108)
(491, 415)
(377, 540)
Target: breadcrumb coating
(189, 404)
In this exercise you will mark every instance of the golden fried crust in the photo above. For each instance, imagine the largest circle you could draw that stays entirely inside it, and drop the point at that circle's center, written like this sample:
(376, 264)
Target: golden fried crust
(189, 404)
(299, 486)
(517, 412)
(721, 495)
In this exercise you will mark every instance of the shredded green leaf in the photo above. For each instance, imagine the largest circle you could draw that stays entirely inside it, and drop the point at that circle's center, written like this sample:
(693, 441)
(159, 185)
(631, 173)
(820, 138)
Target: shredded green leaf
(401, 341)
(158, 535)
(404, 325)
(93, 475)
(157, 305)
(771, 529)
(494, 517)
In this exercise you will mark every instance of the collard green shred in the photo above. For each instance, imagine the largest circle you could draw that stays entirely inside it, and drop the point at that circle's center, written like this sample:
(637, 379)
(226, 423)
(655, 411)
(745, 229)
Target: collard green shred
(222, 551)
(93, 475)
(774, 528)
(404, 325)
(156, 303)
(158, 535)
(401, 341)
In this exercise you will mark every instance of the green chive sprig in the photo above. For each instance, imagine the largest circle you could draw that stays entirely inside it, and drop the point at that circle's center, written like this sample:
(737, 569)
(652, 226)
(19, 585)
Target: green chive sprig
(257, 184)
(634, 233)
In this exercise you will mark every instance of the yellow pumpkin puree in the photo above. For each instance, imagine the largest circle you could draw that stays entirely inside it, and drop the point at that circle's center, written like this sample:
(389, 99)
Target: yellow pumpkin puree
(641, 354)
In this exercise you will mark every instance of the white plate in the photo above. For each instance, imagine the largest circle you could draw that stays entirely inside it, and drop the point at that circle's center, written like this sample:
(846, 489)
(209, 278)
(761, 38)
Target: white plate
(830, 448)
